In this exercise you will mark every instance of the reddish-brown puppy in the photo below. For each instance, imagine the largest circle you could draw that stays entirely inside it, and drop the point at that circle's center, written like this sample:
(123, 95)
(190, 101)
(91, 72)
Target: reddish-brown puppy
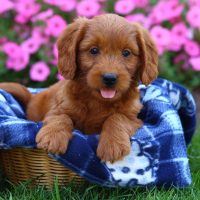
(102, 60)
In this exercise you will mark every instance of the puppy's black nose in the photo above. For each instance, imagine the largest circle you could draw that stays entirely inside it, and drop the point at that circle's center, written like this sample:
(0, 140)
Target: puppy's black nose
(109, 79)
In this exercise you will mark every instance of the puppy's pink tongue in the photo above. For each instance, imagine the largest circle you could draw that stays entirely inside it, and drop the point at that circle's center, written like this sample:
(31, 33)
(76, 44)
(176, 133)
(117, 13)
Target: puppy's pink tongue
(108, 93)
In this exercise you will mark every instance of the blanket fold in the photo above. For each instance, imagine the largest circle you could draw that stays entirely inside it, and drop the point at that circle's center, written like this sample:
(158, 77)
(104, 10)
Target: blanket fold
(158, 149)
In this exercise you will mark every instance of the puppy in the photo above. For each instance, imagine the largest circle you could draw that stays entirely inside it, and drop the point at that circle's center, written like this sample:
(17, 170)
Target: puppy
(102, 60)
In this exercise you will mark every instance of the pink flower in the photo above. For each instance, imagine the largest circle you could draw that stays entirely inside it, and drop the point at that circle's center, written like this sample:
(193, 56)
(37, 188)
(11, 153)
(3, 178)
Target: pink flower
(27, 8)
(174, 9)
(166, 10)
(193, 17)
(124, 6)
(183, 58)
(18, 63)
(179, 33)
(55, 25)
(51, 2)
(43, 15)
(141, 3)
(2, 41)
(156, 15)
(136, 18)
(39, 71)
(194, 2)
(31, 45)
(192, 48)
(174, 46)
(160, 49)
(195, 62)
(6, 5)
(21, 19)
(54, 60)
(180, 58)
(161, 35)
(38, 34)
(140, 18)
(88, 8)
(60, 77)
(12, 49)
(66, 6)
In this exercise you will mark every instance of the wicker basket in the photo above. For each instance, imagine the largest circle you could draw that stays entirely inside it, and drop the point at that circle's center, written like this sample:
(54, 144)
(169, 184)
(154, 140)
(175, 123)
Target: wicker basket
(33, 164)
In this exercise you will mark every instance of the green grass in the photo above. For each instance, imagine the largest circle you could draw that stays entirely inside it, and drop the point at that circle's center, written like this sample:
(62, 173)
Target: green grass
(93, 192)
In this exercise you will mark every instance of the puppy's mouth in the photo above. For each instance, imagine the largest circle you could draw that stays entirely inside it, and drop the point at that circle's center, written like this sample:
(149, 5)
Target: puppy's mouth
(108, 93)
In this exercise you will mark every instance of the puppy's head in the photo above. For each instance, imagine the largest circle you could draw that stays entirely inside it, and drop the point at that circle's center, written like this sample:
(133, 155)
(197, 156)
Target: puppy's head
(109, 53)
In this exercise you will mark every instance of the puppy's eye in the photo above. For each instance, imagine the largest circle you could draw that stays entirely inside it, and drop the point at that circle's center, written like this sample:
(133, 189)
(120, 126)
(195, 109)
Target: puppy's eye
(126, 52)
(94, 51)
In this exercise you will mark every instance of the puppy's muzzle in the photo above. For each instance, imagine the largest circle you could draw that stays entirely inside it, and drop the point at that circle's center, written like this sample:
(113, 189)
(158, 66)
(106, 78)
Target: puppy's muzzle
(109, 79)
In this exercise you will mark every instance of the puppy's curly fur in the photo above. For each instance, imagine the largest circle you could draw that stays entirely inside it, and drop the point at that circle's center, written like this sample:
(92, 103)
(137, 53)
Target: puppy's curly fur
(77, 102)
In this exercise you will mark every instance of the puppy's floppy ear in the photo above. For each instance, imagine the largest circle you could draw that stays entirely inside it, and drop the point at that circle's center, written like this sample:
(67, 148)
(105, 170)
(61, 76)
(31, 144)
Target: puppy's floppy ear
(67, 44)
(148, 64)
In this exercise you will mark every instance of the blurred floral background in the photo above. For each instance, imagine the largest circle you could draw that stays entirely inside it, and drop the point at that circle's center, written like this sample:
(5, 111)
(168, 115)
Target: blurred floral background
(29, 29)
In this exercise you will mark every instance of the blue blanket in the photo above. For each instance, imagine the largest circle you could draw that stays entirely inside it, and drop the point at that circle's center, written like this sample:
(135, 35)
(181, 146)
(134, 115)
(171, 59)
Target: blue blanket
(158, 155)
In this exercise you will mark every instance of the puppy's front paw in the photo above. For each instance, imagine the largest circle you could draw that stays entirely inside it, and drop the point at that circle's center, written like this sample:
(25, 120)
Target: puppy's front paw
(111, 151)
(51, 140)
